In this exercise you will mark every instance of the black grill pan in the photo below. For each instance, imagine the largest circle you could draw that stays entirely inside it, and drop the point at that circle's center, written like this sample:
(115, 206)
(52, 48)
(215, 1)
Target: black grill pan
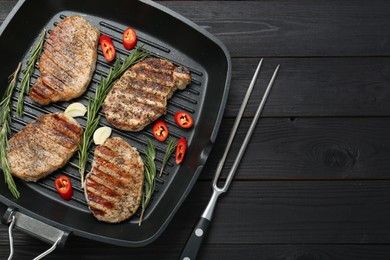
(165, 34)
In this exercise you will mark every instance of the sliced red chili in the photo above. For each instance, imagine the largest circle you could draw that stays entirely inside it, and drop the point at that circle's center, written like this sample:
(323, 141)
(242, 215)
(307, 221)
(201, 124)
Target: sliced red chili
(129, 38)
(108, 48)
(183, 119)
(64, 187)
(160, 130)
(181, 149)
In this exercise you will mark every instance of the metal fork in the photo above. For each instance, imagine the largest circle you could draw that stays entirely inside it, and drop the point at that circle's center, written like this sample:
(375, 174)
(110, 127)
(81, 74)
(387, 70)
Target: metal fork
(192, 246)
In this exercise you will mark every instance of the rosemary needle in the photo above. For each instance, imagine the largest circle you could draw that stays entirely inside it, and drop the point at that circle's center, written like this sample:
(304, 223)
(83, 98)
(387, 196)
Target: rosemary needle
(95, 103)
(150, 172)
(25, 82)
(171, 145)
(5, 120)
(150, 178)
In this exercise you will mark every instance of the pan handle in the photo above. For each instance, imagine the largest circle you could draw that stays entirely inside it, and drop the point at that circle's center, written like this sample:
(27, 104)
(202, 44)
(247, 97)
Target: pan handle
(34, 228)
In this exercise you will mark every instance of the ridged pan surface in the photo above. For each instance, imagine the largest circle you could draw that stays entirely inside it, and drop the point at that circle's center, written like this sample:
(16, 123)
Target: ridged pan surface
(166, 35)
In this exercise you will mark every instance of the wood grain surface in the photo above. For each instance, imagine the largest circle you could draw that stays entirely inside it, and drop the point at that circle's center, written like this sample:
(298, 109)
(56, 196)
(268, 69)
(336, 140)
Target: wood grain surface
(314, 182)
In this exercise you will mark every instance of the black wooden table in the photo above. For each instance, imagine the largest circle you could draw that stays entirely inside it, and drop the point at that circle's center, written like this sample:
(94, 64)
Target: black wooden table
(314, 182)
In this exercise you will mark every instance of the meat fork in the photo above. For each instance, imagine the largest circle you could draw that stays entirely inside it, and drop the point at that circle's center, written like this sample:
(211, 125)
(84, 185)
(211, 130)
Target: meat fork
(192, 246)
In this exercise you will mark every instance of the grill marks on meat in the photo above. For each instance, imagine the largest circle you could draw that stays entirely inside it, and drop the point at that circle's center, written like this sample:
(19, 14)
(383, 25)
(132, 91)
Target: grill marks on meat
(140, 96)
(43, 146)
(113, 188)
(67, 62)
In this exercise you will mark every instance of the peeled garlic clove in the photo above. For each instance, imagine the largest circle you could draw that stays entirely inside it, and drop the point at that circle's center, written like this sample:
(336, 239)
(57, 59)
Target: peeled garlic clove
(101, 134)
(75, 109)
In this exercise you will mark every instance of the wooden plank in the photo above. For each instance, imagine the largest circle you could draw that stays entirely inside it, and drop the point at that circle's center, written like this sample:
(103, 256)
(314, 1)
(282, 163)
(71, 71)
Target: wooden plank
(307, 148)
(314, 87)
(294, 28)
(295, 212)
(301, 212)
(209, 252)
(297, 252)
(256, 213)
(285, 28)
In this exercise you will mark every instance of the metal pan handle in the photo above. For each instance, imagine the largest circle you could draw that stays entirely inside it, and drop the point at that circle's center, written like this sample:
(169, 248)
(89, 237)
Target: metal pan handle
(34, 228)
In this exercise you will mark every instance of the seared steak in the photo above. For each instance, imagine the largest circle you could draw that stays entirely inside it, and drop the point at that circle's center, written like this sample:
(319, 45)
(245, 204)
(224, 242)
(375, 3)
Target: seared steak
(43, 146)
(67, 62)
(113, 188)
(140, 96)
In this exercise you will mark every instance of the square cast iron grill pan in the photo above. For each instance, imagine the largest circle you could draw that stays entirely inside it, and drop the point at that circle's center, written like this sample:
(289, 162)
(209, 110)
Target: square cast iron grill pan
(166, 35)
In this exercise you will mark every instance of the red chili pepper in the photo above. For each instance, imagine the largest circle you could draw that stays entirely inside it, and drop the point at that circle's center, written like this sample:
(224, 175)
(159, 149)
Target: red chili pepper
(160, 130)
(129, 38)
(181, 150)
(183, 119)
(107, 47)
(64, 187)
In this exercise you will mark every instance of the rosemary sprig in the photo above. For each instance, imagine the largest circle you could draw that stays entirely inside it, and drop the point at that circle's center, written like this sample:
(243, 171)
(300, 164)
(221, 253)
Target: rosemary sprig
(5, 120)
(95, 103)
(25, 82)
(171, 145)
(150, 177)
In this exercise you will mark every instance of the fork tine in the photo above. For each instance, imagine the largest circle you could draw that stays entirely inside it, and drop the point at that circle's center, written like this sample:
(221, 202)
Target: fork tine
(236, 123)
(250, 131)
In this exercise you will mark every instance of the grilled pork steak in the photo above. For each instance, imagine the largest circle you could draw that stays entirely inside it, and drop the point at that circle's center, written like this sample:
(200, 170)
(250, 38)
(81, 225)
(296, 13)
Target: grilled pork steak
(140, 96)
(43, 146)
(67, 62)
(113, 188)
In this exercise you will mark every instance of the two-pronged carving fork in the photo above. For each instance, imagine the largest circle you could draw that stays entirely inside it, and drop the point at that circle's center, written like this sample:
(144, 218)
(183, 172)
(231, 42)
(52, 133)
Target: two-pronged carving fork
(193, 244)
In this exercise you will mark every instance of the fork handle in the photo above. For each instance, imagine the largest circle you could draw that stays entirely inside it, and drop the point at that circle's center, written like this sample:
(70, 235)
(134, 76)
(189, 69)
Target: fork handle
(192, 246)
